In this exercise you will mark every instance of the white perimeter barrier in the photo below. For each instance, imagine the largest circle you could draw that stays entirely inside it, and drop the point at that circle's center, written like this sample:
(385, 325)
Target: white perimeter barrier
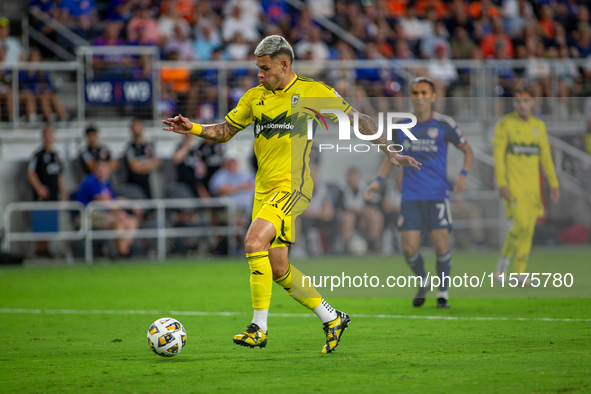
(161, 232)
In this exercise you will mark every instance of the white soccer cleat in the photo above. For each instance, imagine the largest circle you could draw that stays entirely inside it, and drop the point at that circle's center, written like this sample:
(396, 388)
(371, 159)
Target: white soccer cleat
(501, 269)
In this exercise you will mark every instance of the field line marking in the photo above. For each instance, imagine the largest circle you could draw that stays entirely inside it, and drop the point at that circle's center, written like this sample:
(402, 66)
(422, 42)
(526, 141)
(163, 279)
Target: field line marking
(198, 313)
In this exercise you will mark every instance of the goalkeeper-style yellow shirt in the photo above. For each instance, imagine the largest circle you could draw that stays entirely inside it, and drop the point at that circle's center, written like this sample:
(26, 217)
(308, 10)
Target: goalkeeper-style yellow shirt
(519, 146)
(280, 130)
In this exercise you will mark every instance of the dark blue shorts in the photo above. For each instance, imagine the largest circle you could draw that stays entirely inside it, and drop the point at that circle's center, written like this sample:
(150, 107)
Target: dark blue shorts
(425, 215)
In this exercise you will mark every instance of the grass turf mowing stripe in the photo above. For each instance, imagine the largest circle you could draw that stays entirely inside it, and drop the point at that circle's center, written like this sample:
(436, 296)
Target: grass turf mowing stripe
(198, 313)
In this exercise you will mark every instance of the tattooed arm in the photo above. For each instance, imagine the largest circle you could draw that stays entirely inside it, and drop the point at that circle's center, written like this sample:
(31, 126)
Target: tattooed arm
(368, 127)
(220, 132)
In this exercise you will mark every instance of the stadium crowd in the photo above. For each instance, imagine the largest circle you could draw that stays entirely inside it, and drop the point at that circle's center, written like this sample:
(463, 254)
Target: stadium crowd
(391, 30)
(210, 30)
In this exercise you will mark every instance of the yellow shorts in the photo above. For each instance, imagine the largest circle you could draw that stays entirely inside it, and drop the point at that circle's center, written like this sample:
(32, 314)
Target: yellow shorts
(280, 208)
(519, 205)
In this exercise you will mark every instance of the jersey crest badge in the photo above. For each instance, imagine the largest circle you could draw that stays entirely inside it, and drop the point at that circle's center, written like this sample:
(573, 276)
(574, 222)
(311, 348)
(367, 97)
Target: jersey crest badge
(535, 132)
(294, 100)
(432, 132)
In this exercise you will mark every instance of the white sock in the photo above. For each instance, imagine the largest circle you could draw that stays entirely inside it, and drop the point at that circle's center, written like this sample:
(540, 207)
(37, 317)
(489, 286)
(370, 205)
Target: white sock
(503, 263)
(325, 312)
(260, 319)
(442, 294)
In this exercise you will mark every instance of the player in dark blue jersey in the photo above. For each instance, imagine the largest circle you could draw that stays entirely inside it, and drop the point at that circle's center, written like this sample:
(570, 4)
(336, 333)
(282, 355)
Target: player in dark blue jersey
(425, 193)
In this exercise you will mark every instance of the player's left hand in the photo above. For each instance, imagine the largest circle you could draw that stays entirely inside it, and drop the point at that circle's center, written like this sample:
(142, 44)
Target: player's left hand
(555, 195)
(407, 161)
(460, 184)
(179, 124)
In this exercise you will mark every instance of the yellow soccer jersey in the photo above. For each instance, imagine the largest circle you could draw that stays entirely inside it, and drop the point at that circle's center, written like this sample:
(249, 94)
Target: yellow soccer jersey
(281, 146)
(519, 146)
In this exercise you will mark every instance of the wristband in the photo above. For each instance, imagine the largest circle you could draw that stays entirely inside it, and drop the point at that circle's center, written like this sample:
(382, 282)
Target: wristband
(379, 179)
(464, 172)
(196, 129)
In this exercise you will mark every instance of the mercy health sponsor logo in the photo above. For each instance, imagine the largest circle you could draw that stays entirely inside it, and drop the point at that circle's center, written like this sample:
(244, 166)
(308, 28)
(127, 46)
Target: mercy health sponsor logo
(345, 129)
(421, 145)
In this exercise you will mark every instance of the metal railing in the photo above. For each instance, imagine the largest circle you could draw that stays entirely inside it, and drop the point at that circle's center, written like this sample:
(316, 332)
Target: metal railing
(30, 206)
(63, 31)
(163, 230)
(161, 233)
(15, 68)
(561, 150)
(479, 77)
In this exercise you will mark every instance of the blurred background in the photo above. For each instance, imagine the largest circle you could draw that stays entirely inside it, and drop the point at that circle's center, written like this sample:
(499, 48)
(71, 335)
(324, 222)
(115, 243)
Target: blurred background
(105, 73)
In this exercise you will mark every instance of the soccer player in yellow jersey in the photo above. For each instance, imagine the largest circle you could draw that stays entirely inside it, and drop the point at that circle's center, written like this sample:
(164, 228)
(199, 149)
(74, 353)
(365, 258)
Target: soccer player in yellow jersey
(281, 192)
(520, 144)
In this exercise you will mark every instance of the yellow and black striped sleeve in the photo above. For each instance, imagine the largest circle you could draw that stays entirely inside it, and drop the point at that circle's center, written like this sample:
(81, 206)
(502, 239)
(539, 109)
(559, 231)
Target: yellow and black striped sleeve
(241, 116)
(338, 103)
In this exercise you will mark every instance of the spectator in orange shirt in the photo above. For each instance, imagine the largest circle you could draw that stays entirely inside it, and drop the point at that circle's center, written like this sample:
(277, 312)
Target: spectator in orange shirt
(423, 6)
(396, 8)
(477, 7)
(185, 7)
(547, 25)
(176, 80)
(489, 41)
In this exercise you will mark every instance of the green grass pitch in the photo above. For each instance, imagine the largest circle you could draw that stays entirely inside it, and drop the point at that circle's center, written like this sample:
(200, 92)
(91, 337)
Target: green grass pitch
(83, 329)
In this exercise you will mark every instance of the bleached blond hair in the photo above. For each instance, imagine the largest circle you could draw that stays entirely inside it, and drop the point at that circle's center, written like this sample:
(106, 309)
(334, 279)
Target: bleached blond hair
(274, 46)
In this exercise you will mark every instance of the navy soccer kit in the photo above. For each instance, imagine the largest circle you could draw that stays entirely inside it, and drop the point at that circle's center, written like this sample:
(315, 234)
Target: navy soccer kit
(425, 192)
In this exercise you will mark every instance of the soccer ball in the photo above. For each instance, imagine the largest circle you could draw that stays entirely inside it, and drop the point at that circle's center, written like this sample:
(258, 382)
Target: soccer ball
(357, 245)
(167, 337)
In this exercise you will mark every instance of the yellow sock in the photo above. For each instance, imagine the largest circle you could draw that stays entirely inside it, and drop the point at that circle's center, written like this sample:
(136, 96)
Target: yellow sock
(261, 280)
(312, 297)
(520, 264)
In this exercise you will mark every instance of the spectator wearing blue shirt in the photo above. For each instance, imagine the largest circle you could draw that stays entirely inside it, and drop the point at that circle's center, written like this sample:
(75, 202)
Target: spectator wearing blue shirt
(80, 16)
(121, 10)
(230, 181)
(96, 187)
(582, 47)
(276, 11)
(81, 12)
(206, 43)
(36, 85)
(49, 7)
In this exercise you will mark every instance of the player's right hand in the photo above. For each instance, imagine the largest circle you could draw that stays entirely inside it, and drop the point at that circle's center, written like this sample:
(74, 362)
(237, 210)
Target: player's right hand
(178, 124)
(43, 192)
(371, 189)
(504, 192)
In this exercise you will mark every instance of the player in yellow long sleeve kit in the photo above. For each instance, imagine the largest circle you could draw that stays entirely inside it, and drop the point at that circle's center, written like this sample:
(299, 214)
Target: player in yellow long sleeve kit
(283, 183)
(520, 144)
